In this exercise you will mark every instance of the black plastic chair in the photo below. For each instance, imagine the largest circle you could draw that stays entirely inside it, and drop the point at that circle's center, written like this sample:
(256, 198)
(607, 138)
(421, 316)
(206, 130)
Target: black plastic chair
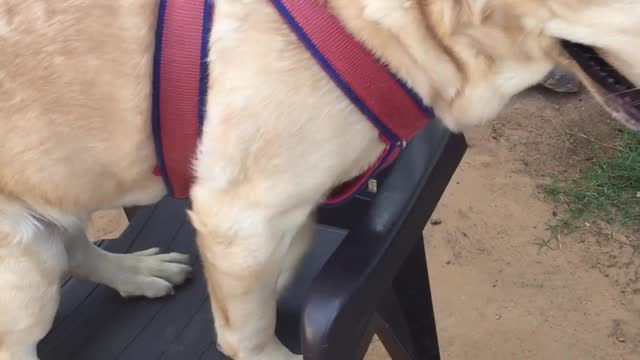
(366, 273)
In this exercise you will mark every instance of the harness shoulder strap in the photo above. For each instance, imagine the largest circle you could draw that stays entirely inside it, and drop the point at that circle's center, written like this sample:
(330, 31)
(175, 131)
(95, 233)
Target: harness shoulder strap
(386, 101)
(390, 105)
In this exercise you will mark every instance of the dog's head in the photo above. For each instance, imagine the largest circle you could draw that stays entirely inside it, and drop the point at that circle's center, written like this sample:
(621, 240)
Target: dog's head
(501, 47)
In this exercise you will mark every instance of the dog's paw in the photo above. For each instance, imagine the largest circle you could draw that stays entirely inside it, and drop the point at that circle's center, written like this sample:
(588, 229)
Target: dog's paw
(275, 351)
(280, 354)
(152, 274)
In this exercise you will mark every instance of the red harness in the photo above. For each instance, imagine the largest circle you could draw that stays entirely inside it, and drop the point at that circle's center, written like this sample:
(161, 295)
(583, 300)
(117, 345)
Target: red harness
(181, 73)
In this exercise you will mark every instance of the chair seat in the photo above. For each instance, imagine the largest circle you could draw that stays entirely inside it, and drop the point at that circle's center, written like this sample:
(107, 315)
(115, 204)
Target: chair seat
(95, 322)
(350, 283)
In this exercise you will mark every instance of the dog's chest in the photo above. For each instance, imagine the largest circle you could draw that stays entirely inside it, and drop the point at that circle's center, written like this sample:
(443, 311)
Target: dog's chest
(180, 83)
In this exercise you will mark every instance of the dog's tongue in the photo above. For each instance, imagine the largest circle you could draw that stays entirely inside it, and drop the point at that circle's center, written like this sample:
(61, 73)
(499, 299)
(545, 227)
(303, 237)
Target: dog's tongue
(619, 88)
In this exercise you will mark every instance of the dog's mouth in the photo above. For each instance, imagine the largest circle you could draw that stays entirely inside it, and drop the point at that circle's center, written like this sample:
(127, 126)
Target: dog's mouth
(617, 92)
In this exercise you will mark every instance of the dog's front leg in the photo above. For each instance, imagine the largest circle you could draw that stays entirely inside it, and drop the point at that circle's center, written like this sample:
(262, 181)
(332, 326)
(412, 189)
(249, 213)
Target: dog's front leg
(297, 249)
(244, 244)
(147, 273)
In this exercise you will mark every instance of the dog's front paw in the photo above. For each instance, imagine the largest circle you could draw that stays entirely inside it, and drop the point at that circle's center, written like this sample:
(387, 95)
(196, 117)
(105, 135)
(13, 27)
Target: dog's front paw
(151, 274)
(279, 353)
(274, 351)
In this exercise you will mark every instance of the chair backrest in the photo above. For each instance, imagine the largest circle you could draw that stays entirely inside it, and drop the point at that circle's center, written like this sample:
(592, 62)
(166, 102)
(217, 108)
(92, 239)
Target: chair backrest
(346, 290)
(362, 243)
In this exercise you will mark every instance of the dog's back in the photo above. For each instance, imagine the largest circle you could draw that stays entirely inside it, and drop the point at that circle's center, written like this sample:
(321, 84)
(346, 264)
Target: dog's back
(75, 91)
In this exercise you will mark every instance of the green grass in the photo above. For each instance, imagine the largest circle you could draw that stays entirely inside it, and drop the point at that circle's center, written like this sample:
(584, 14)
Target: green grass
(609, 190)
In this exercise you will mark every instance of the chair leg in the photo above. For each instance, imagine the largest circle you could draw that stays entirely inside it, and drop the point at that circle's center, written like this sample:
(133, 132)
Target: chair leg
(365, 342)
(414, 295)
(411, 319)
(393, 330)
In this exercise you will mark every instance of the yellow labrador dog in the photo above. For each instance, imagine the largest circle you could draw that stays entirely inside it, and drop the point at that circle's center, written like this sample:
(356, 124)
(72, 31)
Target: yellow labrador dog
(75, 134)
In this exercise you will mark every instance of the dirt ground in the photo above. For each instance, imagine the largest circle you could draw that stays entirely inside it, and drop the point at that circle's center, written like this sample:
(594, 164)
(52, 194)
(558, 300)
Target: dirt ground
(497, 294)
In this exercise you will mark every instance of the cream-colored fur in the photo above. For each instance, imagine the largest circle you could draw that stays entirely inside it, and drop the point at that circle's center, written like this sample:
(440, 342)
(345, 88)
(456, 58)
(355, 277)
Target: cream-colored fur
(75, 135)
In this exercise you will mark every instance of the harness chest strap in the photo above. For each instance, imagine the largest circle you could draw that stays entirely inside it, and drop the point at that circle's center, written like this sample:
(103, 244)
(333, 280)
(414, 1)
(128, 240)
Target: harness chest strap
(180, 74)
(180, 84)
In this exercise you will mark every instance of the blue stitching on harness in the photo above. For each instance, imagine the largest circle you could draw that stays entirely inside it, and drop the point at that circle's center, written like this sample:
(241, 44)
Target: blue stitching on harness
(155, 109)
(416, 98)
(386, 132)
(204, 64)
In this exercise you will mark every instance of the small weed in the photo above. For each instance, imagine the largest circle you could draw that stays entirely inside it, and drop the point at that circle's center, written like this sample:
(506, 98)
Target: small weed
(544, 243)
(553, 190)
(555, 230)
(609, 190)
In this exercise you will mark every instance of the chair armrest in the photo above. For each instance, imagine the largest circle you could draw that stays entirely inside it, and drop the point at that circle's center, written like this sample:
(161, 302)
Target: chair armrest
(343, 297)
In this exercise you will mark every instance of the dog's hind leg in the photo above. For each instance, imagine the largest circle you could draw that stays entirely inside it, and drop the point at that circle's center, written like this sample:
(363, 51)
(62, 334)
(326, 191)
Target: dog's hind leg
(147, 273)
(32, 263)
